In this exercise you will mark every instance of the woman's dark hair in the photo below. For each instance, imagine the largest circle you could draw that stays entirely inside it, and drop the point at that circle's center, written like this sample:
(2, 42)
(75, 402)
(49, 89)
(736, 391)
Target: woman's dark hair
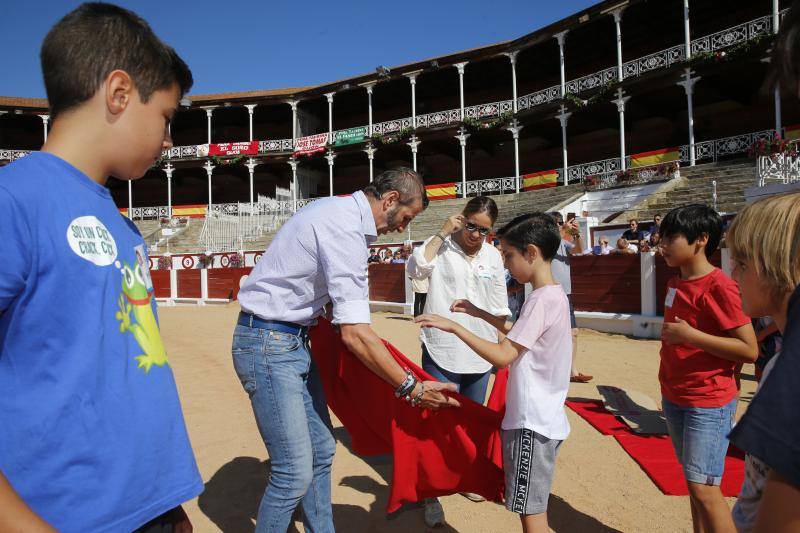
(481, 204)
(538, 229)
(405, 181)
(692, 221)
(784, 65)
(95, 39)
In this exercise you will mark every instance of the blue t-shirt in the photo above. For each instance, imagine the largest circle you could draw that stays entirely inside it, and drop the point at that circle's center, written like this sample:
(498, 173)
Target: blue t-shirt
(770, 428)
(92, 435)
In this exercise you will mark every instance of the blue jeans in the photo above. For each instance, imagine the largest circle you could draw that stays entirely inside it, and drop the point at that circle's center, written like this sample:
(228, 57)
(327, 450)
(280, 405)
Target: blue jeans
(473, 386)
(699, 435)
(285, 390)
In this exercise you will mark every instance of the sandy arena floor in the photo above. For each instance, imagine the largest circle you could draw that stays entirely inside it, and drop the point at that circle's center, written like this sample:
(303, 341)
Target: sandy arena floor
(597, 487)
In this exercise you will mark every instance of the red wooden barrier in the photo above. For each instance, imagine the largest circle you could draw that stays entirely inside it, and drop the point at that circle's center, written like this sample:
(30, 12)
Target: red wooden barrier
(189, 283)
(606, 283)
(224, 282)
(387, 282)
(161, 283)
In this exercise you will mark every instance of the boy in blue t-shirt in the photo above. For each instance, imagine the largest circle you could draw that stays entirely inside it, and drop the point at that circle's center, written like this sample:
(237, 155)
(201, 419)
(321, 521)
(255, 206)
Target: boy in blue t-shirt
(92, 436)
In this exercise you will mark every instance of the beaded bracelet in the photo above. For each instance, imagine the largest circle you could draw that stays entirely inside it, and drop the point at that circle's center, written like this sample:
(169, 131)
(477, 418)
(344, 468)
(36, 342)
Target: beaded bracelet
(406, 386)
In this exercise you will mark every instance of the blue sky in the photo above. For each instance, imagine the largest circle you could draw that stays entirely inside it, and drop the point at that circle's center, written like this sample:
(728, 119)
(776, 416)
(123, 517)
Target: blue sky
(248, 44)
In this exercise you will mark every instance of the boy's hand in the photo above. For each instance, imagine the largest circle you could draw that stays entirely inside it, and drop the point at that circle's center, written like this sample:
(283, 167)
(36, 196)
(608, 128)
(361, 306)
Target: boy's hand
(678, 332)
(464, 306)
(436, 321)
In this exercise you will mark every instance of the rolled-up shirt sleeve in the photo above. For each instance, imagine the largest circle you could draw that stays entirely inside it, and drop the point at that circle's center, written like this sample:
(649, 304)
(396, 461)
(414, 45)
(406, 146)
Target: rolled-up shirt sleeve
(344, 263)
(417, 266)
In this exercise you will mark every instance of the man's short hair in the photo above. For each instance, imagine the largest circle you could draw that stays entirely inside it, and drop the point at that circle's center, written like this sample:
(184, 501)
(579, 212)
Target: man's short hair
(692, 221)
(95, 39)
(539, 229)
(405, 181)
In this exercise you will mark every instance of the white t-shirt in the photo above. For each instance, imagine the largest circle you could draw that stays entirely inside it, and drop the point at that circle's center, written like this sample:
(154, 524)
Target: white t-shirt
(538, 380)
(452, 276)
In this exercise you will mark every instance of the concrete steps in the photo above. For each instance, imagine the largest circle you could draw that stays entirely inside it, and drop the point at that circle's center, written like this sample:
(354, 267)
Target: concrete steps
(732, 178)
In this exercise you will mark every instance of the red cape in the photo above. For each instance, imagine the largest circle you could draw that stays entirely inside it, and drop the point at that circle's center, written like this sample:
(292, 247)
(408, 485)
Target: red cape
(435, 453)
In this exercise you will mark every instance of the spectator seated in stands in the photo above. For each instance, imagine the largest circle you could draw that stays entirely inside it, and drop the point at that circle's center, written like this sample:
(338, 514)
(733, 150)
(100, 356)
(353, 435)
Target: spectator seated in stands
(655, 239)
(624, 247)
(655, 229)
(397, 259)
(601, 248)
(634, 234)
(373, 256)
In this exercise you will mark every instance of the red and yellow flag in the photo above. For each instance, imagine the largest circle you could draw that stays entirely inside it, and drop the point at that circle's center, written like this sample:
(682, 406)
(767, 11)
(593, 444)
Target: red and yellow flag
(655, 157)
(540, 180)
(441, 191)
(792, 133)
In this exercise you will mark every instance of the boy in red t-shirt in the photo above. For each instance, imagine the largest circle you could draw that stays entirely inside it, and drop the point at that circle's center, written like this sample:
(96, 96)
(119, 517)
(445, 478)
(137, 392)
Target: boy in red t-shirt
(704, 337)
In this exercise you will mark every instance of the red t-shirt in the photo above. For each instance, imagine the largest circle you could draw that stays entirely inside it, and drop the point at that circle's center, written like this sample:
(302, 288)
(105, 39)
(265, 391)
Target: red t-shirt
(689, 376)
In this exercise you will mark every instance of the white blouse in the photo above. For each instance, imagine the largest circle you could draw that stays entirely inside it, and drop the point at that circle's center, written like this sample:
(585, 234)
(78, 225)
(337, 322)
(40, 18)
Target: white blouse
(453, 276)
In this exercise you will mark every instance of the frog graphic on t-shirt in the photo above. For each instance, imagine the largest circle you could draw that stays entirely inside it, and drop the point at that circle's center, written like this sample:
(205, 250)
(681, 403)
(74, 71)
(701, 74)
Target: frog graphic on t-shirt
(135, 297)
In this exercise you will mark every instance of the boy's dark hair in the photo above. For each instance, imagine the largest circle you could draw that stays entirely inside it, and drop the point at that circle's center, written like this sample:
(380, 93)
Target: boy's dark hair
(539, 229)
(85, 46)
(481, 204)
(692, 221)
(784, 66)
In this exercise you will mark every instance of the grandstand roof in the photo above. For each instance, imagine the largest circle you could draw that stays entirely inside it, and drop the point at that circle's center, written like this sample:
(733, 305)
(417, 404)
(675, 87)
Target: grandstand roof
(482, 52)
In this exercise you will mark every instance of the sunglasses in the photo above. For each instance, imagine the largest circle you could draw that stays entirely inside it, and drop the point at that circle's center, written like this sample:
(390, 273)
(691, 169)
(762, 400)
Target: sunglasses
(469, 226)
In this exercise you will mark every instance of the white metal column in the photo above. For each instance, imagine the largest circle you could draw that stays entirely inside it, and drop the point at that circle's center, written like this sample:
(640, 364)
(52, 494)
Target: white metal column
(462, 139)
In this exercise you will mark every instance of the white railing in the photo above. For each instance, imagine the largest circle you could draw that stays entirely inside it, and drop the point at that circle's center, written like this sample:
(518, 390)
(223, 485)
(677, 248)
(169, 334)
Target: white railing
(11, 155)
(545, 96)
(662, 59)
(778, 168)
(488, 186)
(492, 110)
(577, 173)
(149, 213)
(439, 118)
(228, 226)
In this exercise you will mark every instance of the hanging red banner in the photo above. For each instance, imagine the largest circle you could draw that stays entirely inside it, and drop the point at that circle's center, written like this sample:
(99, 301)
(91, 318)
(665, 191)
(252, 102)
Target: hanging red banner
(311, 144)
(239, 148)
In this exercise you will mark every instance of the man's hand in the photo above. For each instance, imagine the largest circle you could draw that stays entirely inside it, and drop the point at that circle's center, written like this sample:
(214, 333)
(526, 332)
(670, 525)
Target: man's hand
(433, 397)
(453, 224)
(678, 332)
(436, 321)
(464, 306)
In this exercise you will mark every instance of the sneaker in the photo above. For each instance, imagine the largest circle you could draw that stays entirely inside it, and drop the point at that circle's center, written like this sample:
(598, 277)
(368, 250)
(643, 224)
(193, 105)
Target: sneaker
(434, 514)
(471, 496)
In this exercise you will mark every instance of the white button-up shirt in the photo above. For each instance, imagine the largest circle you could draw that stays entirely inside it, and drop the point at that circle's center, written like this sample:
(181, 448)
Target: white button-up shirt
(318, 256)
(453, 276)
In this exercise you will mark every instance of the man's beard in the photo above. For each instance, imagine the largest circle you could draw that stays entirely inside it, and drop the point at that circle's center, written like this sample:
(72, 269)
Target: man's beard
(391, 219)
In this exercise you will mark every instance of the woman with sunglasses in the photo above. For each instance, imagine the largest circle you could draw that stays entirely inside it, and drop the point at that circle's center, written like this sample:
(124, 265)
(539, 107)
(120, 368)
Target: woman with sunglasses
(459, 263)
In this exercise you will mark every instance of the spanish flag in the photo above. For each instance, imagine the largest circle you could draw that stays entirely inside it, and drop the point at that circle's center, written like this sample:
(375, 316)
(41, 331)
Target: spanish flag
(656, 157)
(540, 180)
(191, 211)
(441, 191)
(792, 133)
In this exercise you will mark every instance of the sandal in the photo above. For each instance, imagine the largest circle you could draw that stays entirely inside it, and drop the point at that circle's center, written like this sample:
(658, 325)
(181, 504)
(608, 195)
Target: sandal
(580, 378)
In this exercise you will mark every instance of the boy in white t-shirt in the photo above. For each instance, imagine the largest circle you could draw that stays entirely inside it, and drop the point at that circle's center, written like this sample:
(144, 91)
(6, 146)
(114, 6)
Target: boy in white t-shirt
(538, 349)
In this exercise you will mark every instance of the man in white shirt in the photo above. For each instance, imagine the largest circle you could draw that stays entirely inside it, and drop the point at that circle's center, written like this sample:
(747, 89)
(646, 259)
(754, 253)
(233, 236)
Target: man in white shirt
(319, 256)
